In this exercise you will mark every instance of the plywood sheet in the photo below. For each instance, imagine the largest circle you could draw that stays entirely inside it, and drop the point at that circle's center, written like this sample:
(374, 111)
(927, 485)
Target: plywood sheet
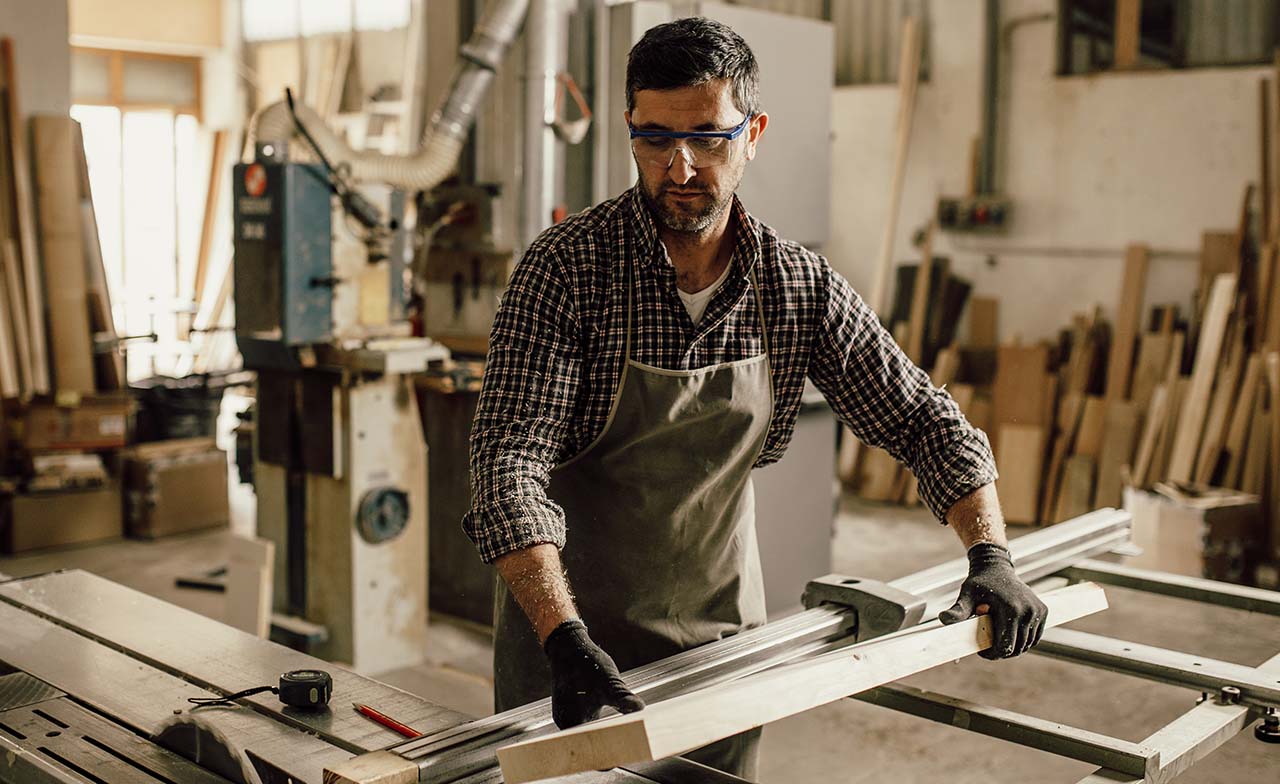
(983, 322)
(1194, 408)
(1020, 461)
(1128, 322)
(1020, 388)
(1115, 458)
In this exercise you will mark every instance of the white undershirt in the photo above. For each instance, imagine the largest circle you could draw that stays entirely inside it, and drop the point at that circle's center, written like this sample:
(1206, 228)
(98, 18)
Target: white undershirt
(696, 303)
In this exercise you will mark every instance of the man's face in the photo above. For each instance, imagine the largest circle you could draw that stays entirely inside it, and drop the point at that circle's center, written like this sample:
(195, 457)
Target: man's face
(681, 197)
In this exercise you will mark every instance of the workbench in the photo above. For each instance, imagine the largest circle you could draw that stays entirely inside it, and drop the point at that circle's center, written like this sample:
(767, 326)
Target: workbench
(93, 674)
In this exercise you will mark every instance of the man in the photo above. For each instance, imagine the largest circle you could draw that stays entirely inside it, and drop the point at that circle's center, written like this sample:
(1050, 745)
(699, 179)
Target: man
(650, 352)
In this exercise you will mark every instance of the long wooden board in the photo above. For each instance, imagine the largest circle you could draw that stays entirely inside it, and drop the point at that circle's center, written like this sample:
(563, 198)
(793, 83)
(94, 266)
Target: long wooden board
(1020, 460)
(1118, 441)
(33, 285)
(1191, 420)
(1273, 382)
(1151, 430)
(1238, 433)
(920, 300)
(1128, 322)
(58, 189)
(1224, 395)
(686, 722)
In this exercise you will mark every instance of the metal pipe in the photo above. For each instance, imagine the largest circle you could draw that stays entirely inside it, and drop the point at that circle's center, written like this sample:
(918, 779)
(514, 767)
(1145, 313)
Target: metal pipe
(990, 97)
(1158, 664)
(542, 46)
(443, 140)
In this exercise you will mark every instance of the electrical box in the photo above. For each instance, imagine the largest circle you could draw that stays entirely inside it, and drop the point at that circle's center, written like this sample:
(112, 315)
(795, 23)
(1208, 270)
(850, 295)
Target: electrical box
(973, 213)
(283, 256)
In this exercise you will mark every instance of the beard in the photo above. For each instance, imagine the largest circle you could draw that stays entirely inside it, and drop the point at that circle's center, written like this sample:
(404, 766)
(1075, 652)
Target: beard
(695, 215)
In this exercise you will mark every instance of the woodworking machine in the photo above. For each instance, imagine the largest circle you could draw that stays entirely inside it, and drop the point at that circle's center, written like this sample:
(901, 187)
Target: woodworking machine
(96, 679)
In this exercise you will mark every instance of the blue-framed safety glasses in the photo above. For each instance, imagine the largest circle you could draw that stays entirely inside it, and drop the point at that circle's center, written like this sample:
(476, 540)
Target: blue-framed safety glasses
(700, 148)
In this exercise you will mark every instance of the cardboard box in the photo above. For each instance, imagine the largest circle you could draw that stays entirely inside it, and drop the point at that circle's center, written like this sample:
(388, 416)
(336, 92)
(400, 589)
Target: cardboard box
(36, 520)
(175, 486)
(1200, 532)
(85, 423)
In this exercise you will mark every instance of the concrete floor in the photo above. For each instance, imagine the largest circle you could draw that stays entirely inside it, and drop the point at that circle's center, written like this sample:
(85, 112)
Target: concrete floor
(847, 741)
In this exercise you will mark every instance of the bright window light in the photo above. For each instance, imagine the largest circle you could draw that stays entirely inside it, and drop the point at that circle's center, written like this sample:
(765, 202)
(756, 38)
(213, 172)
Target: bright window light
(273, 20)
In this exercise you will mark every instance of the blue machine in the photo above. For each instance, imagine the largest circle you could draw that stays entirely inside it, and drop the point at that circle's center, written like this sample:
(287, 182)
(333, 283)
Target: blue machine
(283, 260)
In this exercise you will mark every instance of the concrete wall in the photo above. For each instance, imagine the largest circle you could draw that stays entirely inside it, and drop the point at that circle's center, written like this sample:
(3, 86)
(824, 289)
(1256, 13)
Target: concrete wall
(1091, 163)
(41, 53)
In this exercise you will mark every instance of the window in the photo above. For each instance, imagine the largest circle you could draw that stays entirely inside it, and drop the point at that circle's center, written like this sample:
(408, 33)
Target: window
(273, 20)
(139, 114)
(1169, 34)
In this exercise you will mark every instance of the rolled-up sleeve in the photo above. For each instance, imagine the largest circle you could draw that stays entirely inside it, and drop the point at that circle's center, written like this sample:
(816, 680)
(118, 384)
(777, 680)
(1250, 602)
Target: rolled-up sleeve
(890, 403)
(522, 419)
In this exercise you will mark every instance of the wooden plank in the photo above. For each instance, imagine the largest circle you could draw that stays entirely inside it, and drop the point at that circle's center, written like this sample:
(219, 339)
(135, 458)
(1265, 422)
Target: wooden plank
(1264, 157)
(1157, 412)
(1128, 321)
(1164, 447)
(212, 203)
(1071, 410)
(19, 168)
(1266, 297)
(1128, 33)
(1020, 461)
(878, 477)
(1238, 432)
(984, 313)
(1115, 458)
(16, 313)
(908, 82)
(1224, 396)
(1019, 388)
(1219, 255)
(920, 300)
(1273, 383)
(1253, 476)
(694, 719)
(1076, 495)
(1153, 361)
(57, 188)
(1093, 421)
(109, 366)
(1191, 420)
(10, 379)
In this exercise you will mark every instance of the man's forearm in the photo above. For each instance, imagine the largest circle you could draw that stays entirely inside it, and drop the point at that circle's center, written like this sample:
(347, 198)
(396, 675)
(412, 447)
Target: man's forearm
(977, 518)
(537, 581)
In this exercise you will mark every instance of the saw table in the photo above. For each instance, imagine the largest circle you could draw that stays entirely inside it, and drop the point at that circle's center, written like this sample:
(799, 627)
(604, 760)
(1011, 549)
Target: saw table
(95, 677)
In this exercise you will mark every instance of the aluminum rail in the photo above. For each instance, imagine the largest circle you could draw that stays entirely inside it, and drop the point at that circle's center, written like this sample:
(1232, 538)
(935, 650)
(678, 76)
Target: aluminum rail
(1257, 688)
(1198, 589)
(467, 751)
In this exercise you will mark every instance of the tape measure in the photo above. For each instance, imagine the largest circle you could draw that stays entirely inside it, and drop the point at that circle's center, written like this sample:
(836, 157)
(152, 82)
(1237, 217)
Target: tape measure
(307, 689)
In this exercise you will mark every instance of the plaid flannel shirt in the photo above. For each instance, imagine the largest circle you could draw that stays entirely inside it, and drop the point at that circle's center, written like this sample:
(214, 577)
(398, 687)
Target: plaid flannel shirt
(556, 358)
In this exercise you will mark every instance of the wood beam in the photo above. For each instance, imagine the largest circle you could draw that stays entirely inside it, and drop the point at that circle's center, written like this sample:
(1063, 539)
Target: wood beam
(691, 720)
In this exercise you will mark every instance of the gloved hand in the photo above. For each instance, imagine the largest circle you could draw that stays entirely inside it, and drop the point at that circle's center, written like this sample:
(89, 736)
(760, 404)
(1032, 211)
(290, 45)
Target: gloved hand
(1017, 614)
(583, 677)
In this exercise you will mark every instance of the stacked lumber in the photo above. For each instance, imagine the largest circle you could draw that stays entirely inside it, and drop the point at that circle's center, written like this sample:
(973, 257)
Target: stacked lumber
(54, 304)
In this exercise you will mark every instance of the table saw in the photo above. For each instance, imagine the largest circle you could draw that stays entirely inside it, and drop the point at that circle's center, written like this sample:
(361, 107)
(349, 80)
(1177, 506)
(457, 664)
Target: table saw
(95, 680)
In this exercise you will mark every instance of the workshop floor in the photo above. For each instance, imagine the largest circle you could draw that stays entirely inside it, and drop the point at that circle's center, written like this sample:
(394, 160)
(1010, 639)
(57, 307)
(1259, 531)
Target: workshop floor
(847, 741)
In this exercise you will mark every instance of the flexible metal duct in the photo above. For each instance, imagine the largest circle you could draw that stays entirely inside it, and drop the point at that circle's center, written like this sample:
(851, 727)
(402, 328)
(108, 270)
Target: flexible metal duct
(444, 137)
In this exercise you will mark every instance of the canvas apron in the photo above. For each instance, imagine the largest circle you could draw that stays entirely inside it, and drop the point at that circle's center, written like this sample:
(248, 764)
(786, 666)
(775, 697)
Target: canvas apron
(661, 549)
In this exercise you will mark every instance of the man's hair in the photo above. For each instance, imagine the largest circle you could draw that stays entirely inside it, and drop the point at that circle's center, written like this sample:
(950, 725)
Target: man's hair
(694, 51)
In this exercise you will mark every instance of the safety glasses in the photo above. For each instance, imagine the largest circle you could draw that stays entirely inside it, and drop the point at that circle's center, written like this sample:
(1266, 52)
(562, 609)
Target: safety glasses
(700, 148)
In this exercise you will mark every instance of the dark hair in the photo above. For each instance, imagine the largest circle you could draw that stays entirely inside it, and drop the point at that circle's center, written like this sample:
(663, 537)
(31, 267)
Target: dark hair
(694, 51)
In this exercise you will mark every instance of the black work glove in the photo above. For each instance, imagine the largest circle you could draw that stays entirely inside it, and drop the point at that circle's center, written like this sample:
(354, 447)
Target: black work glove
(1017, 614)
(583, 677)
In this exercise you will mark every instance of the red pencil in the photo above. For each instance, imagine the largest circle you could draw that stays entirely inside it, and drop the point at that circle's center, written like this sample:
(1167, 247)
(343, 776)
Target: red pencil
(385, 720)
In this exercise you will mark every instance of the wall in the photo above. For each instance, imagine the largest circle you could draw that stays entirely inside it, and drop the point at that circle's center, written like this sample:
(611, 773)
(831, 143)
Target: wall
(1091, 163)
(188, 26)
(41, 54)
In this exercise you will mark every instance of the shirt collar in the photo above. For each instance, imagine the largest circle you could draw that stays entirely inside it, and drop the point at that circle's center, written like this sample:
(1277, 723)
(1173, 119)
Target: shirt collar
(747, 243)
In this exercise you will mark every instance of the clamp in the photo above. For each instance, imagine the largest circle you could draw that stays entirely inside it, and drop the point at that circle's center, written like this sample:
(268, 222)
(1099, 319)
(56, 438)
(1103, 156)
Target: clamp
(880, 608)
